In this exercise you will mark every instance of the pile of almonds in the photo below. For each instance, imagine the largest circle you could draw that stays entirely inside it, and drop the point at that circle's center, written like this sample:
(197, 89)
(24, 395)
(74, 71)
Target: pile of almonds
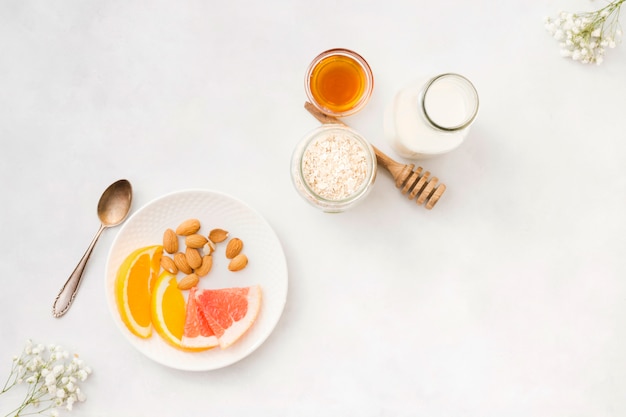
(194, 258)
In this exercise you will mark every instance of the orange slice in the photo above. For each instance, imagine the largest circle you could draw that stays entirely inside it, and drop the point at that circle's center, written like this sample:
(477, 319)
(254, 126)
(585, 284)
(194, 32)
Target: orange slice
(133, 283)
(230, 312)
(197, 334)
(168, 309)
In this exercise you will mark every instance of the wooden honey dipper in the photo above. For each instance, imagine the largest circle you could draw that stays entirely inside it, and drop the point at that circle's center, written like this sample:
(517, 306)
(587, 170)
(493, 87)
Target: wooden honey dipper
(416, 182)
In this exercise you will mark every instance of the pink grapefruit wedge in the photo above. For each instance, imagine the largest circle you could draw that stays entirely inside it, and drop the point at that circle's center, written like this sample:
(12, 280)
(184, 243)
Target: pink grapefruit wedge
(197, 333)
(229, 312)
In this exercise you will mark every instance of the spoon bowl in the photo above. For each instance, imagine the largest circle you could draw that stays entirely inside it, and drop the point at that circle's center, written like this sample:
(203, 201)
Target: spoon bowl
(114, 205)
(113, 208)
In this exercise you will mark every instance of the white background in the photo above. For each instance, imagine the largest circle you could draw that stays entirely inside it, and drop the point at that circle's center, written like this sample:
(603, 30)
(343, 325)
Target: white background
(507, 299)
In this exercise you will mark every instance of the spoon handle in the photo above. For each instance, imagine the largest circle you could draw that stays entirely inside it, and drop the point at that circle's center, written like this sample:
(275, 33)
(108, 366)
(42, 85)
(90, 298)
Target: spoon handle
(66, 296)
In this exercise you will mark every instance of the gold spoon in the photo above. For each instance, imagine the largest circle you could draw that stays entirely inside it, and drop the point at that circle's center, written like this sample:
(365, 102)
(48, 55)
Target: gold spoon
(113, 207)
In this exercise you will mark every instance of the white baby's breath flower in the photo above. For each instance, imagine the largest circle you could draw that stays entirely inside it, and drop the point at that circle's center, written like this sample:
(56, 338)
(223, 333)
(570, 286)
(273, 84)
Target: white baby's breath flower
(53, 380)
(584, 36)
(559, 34)
(70, 387)
(70, 402)
(82, 374)
(58, 370)
(80, 396)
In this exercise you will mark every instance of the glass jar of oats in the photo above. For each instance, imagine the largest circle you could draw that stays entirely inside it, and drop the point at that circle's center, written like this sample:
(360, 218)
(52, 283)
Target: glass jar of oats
(333, 168)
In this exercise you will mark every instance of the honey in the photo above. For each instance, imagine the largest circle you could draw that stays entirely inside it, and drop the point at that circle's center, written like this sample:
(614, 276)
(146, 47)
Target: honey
(339, 82)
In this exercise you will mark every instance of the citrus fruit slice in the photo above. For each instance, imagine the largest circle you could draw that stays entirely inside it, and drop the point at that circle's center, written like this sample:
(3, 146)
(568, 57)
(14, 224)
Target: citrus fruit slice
(230, 312)
(197, 334)
(168, 309)
(133, 282)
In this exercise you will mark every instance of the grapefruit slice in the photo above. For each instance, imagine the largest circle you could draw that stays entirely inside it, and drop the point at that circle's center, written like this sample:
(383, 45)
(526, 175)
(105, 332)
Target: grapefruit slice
(197, 334)
(230, 312)
(168, 309)
(133, 283)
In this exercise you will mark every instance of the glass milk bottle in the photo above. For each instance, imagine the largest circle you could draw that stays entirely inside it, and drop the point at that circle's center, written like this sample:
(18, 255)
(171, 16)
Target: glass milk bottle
(431, 116)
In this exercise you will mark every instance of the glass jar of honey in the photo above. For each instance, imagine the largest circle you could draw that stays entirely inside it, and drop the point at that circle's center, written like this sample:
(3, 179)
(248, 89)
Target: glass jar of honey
(339, 82)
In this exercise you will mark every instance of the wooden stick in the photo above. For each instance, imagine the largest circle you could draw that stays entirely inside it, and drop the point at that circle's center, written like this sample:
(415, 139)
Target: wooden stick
(416, 182)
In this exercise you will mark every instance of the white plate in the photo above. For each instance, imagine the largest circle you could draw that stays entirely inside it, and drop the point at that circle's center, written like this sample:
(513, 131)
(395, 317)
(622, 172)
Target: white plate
(267, 267)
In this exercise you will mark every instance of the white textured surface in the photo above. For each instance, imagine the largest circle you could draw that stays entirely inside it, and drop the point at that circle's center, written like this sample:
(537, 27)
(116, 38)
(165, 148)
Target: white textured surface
(267, 268)
(507, 299)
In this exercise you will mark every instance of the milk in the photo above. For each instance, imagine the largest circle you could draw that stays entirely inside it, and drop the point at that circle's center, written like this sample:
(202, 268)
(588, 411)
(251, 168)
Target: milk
(431, 116)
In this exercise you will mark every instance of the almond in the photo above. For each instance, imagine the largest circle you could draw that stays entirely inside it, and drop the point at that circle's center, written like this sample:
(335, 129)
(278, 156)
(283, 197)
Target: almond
(207, 263)
(211, 246)
(195, 241)
(169, 265)
(188, 227)
(218, 235)
(194, 259)
(181, 262)
(188, 282)
(234, 247)
(238, 263)
(170, 241)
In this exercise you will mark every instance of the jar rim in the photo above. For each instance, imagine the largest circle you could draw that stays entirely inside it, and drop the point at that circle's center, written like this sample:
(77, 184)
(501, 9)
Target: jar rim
(470, 89)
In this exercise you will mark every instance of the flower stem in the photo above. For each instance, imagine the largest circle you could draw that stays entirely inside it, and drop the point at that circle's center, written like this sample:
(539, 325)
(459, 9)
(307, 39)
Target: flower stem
(17, 410)
(8, 384)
